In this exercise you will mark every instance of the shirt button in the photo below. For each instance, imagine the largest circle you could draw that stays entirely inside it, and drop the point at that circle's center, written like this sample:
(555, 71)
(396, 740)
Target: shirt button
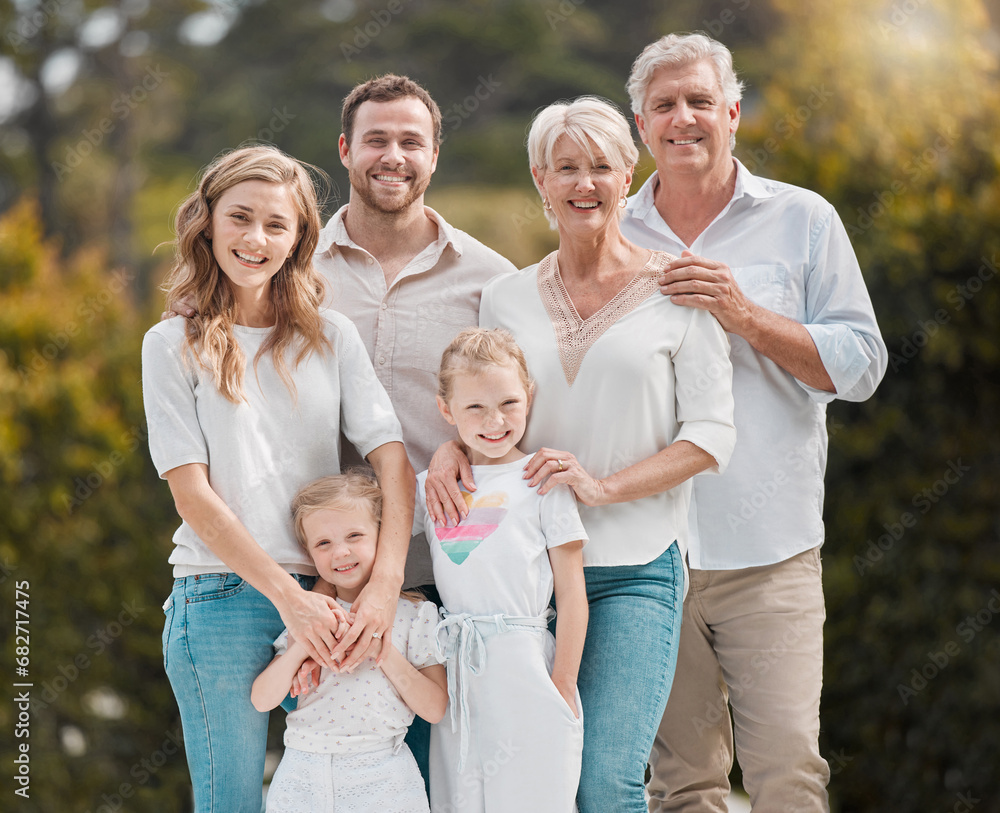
(385, 306)
(371, 261)
(381, 360)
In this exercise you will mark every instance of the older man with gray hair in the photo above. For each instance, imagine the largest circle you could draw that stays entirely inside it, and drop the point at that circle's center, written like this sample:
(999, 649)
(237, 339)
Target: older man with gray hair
(774, 264)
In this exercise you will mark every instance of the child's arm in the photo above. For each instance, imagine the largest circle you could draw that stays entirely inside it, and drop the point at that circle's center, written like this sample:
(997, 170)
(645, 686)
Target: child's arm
(423, 690)
(271, 685)
(571, 621)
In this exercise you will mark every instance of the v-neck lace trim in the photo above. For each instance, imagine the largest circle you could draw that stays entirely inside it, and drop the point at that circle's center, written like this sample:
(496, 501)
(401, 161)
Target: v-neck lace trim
(575, 336)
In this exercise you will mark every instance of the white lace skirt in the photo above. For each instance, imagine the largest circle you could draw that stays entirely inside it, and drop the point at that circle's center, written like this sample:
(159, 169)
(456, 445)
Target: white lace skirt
(382, 782)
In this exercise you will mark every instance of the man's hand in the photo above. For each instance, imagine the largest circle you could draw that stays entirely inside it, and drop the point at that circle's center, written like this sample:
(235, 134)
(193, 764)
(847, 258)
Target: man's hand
(184, 307)
(697, 282)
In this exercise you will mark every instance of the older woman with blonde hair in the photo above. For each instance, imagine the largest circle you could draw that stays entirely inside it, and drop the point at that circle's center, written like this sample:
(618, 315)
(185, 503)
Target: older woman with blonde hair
(245, 402)
(633, 399)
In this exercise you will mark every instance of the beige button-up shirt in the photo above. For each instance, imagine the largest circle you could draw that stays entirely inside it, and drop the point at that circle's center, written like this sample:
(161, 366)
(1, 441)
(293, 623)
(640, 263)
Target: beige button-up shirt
(406, 326)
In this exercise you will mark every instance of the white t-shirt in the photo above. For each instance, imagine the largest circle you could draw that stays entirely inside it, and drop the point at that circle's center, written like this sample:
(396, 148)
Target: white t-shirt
(496, 559)
(362, 712)
(261, 451)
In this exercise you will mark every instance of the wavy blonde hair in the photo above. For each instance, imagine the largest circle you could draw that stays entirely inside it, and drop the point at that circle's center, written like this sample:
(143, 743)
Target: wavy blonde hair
(296, 290)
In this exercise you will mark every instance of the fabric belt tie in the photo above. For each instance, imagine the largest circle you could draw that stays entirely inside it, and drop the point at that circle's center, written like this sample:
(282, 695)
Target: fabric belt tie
(460, 643)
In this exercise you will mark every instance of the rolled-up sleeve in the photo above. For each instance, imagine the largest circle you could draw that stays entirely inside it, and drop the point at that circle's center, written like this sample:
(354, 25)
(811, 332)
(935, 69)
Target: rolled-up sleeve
(704, 389)
(840, 318)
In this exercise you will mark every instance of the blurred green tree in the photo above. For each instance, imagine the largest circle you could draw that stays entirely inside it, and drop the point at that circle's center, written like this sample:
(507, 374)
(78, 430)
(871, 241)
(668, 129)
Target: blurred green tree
(82, 519)
(891, 111)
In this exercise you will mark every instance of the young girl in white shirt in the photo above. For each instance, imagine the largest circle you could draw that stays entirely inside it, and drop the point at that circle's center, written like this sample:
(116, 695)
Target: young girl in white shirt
(344, 746)
(515, 736)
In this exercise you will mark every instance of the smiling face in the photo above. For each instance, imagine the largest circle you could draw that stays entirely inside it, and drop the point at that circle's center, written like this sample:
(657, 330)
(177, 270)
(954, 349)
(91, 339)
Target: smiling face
(254, 228)
(490, 410)
(582, 186)
(392, 155)
(342, 545)
(686, 122)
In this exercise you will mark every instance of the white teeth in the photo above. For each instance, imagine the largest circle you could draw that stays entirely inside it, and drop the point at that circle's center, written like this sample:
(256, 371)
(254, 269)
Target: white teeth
(683, 141)
(588, 205)
(495, 437)
(249, 258)
(389, 178)
(346, 567)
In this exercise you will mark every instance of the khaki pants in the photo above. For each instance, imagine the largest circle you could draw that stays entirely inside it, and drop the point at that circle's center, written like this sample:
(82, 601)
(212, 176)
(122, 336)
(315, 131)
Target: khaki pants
(752, 638)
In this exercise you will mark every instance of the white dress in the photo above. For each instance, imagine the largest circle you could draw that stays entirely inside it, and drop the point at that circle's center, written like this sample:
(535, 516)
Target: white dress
(344, 748)
(510, 741)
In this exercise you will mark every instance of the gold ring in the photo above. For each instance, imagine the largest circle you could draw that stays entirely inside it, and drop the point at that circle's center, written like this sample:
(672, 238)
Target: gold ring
(560, 465)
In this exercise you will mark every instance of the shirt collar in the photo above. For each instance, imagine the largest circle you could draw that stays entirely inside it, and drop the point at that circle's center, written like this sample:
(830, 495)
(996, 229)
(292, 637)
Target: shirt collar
(335, 233)
(747, 185)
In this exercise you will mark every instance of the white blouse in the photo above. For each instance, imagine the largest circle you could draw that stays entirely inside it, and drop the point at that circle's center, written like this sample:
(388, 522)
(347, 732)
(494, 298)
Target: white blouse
(615, 389)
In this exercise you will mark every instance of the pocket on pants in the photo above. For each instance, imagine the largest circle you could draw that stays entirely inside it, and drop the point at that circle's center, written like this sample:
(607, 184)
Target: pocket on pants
(168, 621)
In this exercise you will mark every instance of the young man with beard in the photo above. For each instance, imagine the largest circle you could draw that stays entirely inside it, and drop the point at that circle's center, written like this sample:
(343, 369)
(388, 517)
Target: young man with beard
(404, 276)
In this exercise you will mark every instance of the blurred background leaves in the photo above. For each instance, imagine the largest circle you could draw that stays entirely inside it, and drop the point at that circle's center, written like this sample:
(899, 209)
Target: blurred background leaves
(888, 109)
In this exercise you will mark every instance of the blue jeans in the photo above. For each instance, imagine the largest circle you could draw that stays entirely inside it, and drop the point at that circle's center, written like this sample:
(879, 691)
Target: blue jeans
(625, 676)
(217, 637)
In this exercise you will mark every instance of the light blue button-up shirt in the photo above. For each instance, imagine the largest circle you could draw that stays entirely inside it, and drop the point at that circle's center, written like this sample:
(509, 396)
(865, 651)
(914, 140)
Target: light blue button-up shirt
(790, 253)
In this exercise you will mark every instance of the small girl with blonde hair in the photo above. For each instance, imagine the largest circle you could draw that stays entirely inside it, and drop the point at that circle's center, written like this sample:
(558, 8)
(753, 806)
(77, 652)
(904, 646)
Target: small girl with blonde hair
(515, 737)
(344, 746)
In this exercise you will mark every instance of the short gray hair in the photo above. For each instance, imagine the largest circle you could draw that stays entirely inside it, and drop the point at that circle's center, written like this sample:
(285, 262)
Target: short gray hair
(588, 117)
(682, 49)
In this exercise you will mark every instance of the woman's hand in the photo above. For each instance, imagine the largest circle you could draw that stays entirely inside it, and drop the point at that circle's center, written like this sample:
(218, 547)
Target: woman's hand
(370, 635)
(563, 467)
(445, 503)
(316, 621)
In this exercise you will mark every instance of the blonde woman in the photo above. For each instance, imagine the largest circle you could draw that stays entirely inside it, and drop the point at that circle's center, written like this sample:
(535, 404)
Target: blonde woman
(245, 402)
